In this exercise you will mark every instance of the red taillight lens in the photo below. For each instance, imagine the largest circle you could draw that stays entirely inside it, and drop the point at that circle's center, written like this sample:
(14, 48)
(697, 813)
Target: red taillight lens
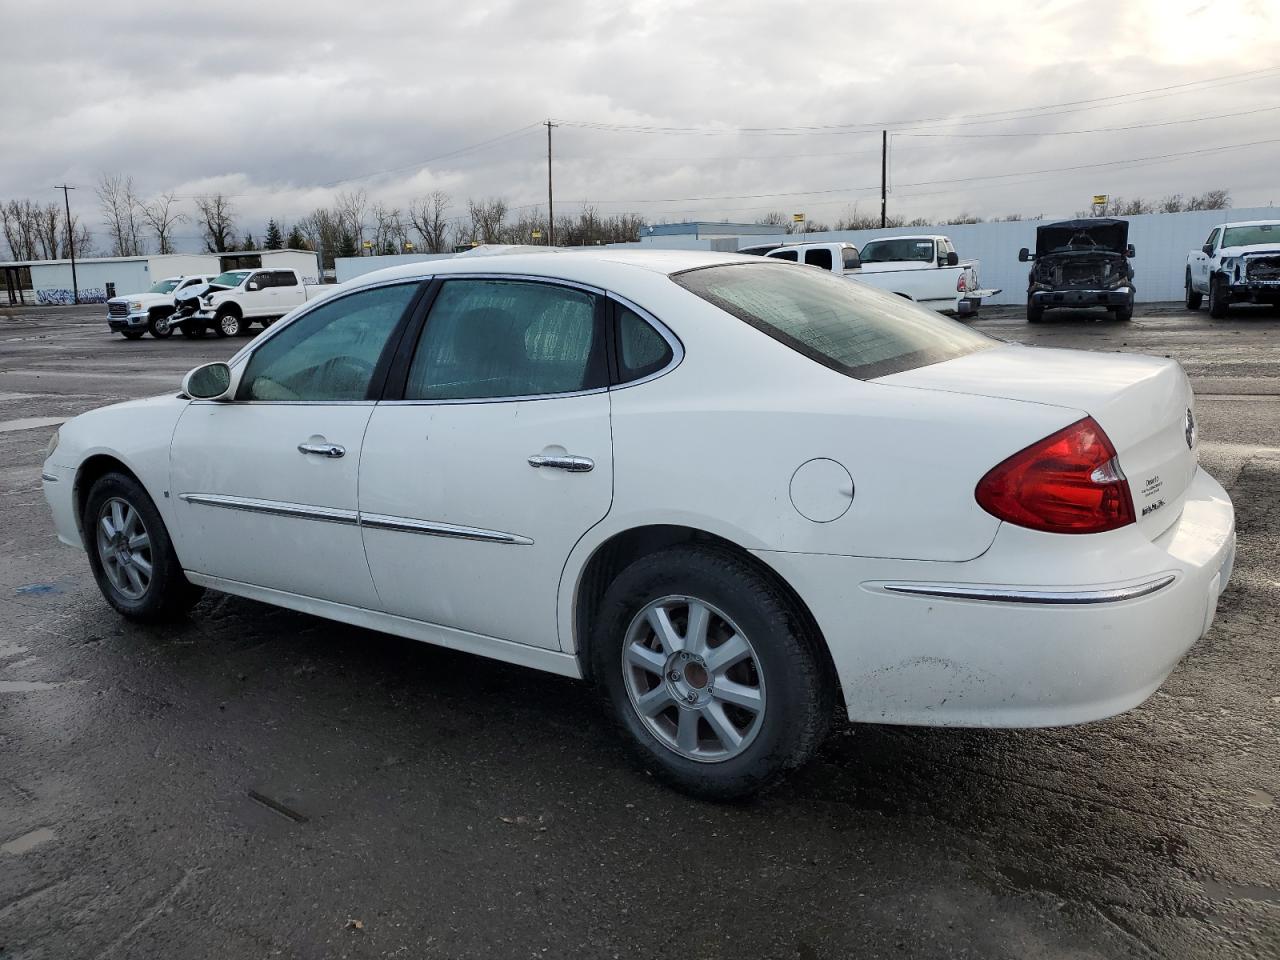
(1070, 482)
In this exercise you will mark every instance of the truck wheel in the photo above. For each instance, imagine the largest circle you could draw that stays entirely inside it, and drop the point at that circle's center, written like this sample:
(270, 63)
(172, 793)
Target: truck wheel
(709, 671)
(227, 324)
(160, 326)
(193, 329)
(132, 334)
(1194, 296)
(1124, 313)
(1035, 313)
(1219, 305)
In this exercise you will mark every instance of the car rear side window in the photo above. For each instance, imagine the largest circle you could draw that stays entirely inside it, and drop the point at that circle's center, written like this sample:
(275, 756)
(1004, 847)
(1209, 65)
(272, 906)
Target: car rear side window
(641, 349)
(785, 255)
(283, 278)
(487, 339)
(847, 326)
(820, 257)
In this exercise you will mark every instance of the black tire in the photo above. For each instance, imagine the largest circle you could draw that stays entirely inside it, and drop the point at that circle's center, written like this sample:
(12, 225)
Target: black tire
(799, 695)
(1194, 296)
(1035, 313)
(132, 334)
(193, 329)
(159, 326)
(228, 323)
(168, 593)
(1123, 314)
(1219, 304)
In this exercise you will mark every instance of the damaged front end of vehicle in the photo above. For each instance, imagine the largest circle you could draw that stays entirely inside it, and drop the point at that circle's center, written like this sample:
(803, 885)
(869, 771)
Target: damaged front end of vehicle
(1080, 263)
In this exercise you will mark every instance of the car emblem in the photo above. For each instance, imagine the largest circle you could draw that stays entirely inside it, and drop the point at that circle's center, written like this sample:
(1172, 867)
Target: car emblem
(1191, 430)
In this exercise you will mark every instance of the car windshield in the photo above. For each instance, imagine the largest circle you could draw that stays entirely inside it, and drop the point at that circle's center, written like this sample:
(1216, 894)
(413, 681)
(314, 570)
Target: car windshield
(850, 327)
(1255, 233)
(164, 286)
(900, 248)
(231, 278)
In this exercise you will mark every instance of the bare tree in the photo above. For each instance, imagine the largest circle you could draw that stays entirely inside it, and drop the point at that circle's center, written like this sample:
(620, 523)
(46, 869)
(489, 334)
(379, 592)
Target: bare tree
(487, 219)
(389, 233)
(217, 220)
(351, 207)
(121, 211)
(323, 229)
(162, 218)
(1172, 204)
(1210, 200)
(49, 228)
(22, 229)
(427, 215)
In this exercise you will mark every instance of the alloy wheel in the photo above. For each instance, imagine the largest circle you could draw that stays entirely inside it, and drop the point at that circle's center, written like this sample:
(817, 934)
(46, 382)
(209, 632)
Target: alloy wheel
(124, 547)
(230, 324)
(693, 678)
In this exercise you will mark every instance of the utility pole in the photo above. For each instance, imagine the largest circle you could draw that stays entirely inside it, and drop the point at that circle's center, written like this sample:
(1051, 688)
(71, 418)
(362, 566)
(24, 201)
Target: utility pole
(71, 241)
(551, 209)
(884, 173)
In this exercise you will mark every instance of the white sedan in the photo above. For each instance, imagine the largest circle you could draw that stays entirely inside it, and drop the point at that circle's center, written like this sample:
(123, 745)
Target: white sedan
(733, 493)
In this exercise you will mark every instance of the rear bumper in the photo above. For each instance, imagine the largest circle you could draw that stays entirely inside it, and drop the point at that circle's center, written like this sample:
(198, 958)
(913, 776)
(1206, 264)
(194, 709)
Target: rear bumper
(1119, 297)
(1041, 630)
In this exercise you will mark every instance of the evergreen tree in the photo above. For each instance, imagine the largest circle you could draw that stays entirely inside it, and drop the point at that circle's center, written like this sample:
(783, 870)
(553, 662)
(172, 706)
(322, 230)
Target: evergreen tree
(296, 240)
(248, 243)
(274, 239)
(347, 244)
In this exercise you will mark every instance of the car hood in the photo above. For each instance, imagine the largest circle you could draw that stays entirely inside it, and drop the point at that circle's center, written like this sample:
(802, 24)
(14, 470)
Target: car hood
(1250, 248)
(1108, 235)
(144, 298)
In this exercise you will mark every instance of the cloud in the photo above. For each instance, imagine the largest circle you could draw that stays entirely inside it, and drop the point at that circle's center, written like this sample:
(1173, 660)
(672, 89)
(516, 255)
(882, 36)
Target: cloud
(274, 102)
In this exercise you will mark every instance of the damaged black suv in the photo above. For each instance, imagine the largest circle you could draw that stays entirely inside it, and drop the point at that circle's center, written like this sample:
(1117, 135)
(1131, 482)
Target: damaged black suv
(1080, 263)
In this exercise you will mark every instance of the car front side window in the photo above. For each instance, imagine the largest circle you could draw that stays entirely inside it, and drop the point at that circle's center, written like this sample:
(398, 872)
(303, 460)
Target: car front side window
(329, 353)
(487, 339)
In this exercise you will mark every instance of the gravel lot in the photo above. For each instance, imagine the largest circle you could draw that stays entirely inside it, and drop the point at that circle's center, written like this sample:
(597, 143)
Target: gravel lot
(257, 783)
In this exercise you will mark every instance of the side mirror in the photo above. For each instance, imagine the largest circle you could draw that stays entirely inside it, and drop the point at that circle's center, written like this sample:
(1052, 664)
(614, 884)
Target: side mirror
(951, 259)
(212, 381)
(1024, 255)
(252, 285)
(1208, 249)
(1129, 251)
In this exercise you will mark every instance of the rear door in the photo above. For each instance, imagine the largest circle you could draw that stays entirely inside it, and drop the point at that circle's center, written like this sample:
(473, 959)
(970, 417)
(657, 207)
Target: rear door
(288, 291)
(491, 458)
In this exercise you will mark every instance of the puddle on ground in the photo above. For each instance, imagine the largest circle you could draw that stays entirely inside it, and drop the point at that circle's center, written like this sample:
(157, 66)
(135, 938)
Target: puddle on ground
(29, 423)
(1259, 798)
(28, 841)
(26, 686)
(1240, 891)
(39, 589)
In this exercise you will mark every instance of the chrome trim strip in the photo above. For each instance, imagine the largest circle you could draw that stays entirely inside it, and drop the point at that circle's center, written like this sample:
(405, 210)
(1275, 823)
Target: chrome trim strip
(965, 591)
(49, 477)
(276, 508)
(476, 400)
(377, 521)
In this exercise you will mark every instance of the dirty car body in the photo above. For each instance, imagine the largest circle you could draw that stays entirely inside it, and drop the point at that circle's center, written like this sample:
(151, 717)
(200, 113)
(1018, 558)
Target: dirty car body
(733, 492)
(1080, 263)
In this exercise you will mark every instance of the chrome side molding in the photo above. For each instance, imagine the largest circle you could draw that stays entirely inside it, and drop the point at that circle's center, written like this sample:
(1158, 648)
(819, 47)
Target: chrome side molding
(376, 521)
(969, 591)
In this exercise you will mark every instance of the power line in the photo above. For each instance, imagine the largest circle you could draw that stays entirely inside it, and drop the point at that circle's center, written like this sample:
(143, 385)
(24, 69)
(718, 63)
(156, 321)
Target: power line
(1067, 133)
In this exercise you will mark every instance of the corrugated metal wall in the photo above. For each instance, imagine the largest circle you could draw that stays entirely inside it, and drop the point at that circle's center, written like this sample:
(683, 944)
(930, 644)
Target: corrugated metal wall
(52, 281)
(1162, 240)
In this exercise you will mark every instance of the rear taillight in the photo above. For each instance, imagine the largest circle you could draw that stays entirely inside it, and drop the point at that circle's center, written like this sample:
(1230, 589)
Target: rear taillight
(1070, 482)
(962, 283)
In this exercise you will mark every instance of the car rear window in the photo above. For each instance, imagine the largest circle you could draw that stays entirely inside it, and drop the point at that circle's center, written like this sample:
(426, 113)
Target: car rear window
(845, 325)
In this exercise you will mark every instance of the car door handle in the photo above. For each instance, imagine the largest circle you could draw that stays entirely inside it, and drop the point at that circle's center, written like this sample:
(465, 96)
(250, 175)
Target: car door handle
(323, 449)
(570, 463)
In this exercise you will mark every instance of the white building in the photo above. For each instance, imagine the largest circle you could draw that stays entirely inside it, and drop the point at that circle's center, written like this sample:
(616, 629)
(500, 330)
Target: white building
(97, 278)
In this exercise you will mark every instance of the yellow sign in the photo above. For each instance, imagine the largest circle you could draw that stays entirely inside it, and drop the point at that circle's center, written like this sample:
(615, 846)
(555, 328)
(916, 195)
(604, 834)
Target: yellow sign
(797, 218)
(1100, 198)
(537, 234)
(368, 244)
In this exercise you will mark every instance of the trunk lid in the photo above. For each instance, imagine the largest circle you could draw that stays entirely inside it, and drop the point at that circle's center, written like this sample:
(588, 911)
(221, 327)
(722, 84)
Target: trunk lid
(1144, 404)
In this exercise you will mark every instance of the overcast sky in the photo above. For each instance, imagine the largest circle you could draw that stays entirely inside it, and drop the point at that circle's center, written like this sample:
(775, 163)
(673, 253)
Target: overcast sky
(274, 103)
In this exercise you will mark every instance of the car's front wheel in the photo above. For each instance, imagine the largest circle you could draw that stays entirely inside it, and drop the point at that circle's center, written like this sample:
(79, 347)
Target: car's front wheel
(1219, 299)
(131, 554)
(710, 671)
(1124, 313)
(1035, 312)
(229, 324)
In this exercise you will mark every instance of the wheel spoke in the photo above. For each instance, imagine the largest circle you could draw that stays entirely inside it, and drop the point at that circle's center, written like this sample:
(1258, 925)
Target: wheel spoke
(739, 694)
(723, 728)
(143, 565)
(655, 701)
(132, 522)
(721, 658)
(641, 656)
(108, 529)
(687, 731)
(695, 634)
(140, 541)
(117, 514)
(135, 578)
(660, 620)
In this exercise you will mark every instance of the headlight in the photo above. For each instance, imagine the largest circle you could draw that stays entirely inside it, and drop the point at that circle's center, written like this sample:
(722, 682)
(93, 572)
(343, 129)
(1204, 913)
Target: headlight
(135, 305)
(52, 445)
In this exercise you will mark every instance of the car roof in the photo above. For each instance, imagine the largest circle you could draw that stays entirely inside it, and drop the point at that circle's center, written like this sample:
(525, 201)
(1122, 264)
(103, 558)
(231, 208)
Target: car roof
(596, 267)
(1251, 223)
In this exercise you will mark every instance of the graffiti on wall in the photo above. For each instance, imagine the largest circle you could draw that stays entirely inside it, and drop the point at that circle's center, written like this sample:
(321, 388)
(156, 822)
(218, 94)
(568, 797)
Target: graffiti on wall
(63, 296)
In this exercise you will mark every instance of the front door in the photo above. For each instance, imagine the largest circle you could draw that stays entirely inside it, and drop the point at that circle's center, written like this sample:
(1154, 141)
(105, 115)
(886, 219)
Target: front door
(1200, 263)
(266, 484)
(497, 457)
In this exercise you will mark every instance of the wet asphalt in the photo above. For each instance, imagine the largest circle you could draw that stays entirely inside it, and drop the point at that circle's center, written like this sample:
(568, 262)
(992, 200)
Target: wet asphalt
(259, 783)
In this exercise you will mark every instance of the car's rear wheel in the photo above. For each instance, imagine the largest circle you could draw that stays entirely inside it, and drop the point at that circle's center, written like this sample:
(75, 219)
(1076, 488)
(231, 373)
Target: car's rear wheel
(1035, 312)
(229, 324)
(710, 671)
(160, 326)
(131, 554)
(1194, 296)
(1219, 301)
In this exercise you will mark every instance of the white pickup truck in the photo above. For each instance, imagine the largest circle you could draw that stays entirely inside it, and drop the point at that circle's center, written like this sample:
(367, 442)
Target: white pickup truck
(1239, 263)
(134, 315)
(237, 299)
(925, 269)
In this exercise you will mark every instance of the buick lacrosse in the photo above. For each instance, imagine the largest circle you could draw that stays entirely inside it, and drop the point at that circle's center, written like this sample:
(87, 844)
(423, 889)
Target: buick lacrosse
(738, 495)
